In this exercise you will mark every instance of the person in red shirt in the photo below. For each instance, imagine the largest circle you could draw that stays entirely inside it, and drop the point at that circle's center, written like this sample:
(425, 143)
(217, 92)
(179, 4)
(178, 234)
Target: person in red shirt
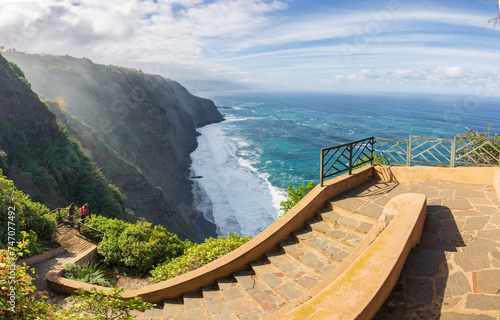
(84, 211)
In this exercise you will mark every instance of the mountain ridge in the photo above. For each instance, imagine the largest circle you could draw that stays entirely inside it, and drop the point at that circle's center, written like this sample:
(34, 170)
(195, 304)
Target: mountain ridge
(149, 121)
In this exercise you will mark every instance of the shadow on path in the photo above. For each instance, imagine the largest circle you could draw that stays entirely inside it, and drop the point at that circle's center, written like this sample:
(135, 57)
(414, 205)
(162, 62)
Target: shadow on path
(420, 290)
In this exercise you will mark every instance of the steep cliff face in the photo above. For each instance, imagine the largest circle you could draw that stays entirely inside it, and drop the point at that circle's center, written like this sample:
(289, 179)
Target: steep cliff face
(150, 122)
(21, 106)
(39, 155)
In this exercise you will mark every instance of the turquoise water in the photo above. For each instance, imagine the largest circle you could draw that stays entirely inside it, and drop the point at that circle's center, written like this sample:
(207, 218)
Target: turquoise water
(271, 140)
(285, 131)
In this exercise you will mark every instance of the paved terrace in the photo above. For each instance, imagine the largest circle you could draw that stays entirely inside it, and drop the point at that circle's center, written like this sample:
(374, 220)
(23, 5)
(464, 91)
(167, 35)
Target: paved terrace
(454, 273)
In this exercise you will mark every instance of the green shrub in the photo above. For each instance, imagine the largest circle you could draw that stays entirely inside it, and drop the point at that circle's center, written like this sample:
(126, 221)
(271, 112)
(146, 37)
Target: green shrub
(478, 150)
(16, 292)
(141, 247)
(19, 213)
(93, 273)
(198, 255)
(102, 305)
(33, 246)
(295, 195)
(111, 227)
(17, 299)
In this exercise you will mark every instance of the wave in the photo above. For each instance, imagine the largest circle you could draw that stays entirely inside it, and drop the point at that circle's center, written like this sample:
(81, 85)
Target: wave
(229, 191)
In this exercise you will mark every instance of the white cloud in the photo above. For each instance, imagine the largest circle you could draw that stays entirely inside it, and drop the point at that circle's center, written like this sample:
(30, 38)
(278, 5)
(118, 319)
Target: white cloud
(447, 76)
(256, 41)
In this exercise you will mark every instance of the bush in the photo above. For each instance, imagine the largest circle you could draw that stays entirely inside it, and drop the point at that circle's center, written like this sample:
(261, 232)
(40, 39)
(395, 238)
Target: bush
(102, 305)
(17, 296)
(90, 272)
(295, 195)
(33, 246)
(141, 247)
(479, 151)
(198, 255)
(19, 213)
(16, 292)
(111, 227)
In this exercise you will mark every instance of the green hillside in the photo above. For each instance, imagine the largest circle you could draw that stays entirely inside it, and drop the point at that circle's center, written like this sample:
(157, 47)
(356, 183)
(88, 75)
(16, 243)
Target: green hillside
(40, 155)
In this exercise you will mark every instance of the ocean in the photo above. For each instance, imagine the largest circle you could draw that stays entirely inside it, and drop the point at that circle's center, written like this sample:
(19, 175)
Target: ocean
(269, 141)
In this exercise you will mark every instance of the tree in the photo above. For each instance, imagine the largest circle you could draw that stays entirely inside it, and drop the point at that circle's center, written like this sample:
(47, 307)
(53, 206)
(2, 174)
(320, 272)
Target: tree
(295, 195)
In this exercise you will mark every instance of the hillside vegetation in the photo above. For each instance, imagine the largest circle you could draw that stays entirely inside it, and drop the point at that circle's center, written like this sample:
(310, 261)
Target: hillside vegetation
(24, 219)
(139, 128)
(40, 155)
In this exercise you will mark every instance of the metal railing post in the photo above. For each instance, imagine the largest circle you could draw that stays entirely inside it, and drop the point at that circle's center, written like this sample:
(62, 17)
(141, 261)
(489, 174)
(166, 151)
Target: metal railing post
(350, 159)
(453, 151)
(321, 169)
(372, 149)
(408, 153)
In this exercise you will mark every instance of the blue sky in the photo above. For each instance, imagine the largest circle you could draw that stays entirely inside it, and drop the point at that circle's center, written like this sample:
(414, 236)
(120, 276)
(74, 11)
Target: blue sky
(335, 46)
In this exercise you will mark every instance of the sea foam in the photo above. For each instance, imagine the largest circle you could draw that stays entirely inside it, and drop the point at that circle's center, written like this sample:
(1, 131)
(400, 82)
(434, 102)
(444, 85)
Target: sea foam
(229, 191)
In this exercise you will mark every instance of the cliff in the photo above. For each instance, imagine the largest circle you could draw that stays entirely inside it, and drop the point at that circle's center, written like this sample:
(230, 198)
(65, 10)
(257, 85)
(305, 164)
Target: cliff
(129, 119)
(41, 157)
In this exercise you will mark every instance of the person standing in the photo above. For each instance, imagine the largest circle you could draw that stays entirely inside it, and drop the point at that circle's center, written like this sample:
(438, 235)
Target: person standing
(84, 211)
(71, 213)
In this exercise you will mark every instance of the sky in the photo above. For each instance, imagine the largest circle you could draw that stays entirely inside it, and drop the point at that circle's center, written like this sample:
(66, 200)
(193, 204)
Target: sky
(443, 46)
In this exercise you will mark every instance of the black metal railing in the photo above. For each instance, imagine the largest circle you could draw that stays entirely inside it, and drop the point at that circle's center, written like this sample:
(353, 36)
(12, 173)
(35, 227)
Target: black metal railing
(459, 151)
(345, 157)
(78, 223)
(99, 238)
(58, 210)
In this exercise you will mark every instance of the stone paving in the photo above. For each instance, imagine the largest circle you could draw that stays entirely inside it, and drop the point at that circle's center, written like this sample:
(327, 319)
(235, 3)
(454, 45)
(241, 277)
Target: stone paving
(454, 273)
(287, 273)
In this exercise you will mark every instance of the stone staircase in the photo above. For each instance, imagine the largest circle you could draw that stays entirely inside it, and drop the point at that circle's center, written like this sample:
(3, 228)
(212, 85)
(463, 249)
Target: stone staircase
(294, 267)
(71, 239)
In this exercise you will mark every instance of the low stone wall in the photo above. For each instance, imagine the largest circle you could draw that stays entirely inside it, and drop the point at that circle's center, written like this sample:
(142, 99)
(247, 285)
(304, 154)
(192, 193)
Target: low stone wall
(42, 257)
(360, 291)
(419, 174)
(496, 181)
(240, 258)
(57, 283)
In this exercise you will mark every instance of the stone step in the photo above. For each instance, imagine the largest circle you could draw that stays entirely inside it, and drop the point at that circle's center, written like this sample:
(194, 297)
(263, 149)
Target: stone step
(278, 281)
(239, 302)
(345, 236)
(347, 218)
(311, 258)
(194, 306)
(269, 300)
(361, 205)
(327, 245)
(297, 271)
(174, 309)
(216, 304)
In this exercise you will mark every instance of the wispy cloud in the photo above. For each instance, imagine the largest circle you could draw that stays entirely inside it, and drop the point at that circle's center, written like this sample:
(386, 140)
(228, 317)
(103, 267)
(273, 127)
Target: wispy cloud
(264, 41)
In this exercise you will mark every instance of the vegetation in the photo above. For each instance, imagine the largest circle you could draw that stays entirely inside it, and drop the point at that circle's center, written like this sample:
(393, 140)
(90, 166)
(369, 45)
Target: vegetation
(46, 160)
(295, 195)
(111, 227)
(102, 305)
(61, 165)
(17, 296)
(22, 218)
(480, 150)
(90, 272)
(197, 256)
(136, 247)
(140, 247)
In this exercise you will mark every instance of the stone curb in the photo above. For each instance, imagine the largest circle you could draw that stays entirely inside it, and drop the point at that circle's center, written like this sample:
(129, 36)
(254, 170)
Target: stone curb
(43, 256)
